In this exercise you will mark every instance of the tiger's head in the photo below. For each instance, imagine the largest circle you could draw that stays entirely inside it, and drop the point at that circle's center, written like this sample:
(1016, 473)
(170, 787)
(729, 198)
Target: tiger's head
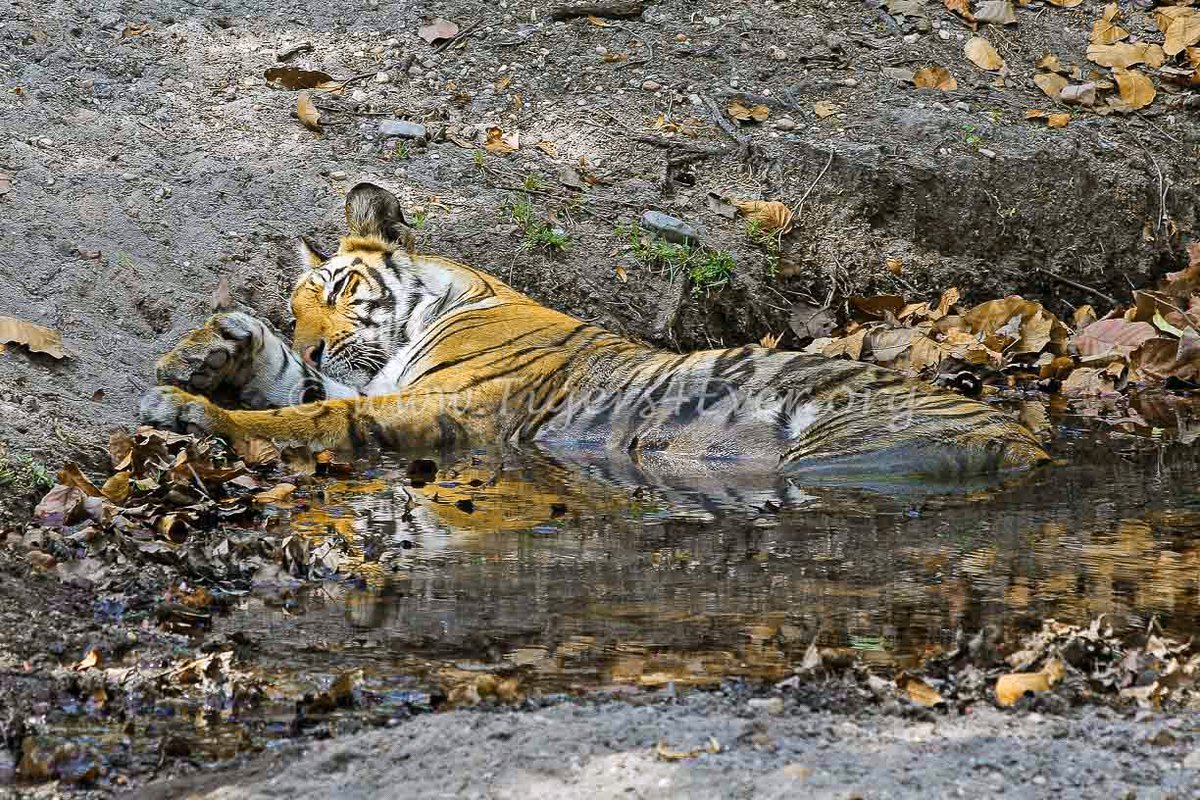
(353, 308)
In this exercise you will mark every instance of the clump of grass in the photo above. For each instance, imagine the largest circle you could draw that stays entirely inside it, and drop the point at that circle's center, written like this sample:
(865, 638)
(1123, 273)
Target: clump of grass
(707, 268)
(533, 183)
(24, 475)
(710, 270)
(400, 150)
(767, 241)
(538, 234)
(418, 220)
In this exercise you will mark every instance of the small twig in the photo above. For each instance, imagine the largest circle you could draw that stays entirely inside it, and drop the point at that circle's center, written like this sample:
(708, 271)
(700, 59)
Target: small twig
(150, 127)
(813, 185)
(460, 35)
(616, 9)
(302, 47)
(724, 123)
(1080, 286)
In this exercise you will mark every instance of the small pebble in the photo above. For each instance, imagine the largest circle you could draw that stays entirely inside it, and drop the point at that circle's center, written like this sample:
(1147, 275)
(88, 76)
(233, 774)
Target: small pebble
(962, 106)
(337, 175)
(983, 151)
(651, 86)
(785, 124)
(848, 82)
(383, 77)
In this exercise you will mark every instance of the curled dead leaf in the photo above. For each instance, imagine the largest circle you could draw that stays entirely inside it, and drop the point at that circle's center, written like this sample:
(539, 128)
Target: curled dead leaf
(438, 30)
(1126, 54)
(1137, 90)
(36, 338)
(771, 216)
(1051, 83)
(497, 142)
(742, 113)
(934, 78)
(1012, 687)
(980, 52)
(307, 112)
(1182, 28)
(275, 494)
(919, 691)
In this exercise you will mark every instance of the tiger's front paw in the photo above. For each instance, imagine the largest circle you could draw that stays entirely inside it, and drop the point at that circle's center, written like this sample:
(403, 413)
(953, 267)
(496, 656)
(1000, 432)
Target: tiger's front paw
(173, 409)
(221, 353)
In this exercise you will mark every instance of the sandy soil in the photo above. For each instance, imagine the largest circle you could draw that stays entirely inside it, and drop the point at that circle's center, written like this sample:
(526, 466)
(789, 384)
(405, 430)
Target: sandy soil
(614, 750)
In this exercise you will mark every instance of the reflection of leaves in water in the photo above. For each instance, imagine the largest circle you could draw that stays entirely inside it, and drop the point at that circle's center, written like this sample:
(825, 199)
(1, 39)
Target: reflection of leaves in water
(868, 642)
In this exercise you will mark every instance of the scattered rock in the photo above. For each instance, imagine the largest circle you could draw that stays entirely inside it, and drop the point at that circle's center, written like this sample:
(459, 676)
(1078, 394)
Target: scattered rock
(337, 175)
(383, 77)
(402, 128)
(670, 228)
(651, 86)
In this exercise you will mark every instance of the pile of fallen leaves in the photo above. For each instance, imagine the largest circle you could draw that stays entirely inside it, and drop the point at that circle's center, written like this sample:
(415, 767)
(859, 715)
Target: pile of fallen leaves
(1128, 47)
(189, 505)
(1014, 342)
(1058, 665)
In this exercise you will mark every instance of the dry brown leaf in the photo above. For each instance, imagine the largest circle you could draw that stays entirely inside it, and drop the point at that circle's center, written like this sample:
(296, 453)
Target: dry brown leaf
(825, 108)
(770, 340)
(548, 147)
(36, 338)
(934, 78)
(437, 30)
(1012, 687)
(1182, 31)
(771, 216)
(1064, 3)
(1112, 335)
(849, 346)
(275, 494)
(1058, 120)
(1107, 32)
(919, 691)
(5, 183)
(894, 265)
(500, 144)
(72, 475)
(1126, 54)
(742, 113)
(1050, 62)
(962, 8)
(1051, 83)
(667, 754)
(309, 116)
(980, 52)
(296, 78)
(598, 21)
(117, 488)
(622, 275)
(1137, 90)
(90, 660)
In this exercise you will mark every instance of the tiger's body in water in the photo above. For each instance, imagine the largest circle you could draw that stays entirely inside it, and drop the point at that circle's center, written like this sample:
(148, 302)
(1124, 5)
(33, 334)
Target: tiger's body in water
(416, 351)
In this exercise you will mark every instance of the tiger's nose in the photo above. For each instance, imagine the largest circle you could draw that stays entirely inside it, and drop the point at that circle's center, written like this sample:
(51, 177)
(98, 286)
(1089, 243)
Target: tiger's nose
(312, 355)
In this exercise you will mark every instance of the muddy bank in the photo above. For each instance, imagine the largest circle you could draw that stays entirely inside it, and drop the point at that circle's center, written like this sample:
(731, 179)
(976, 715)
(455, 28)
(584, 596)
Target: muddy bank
(148, 158)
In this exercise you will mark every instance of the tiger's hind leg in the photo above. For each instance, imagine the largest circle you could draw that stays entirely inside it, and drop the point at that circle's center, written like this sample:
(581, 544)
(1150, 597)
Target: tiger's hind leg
(237, 360)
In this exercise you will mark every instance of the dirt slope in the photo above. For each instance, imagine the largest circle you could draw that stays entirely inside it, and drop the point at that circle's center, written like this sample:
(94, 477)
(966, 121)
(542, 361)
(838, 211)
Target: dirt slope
(148, 158)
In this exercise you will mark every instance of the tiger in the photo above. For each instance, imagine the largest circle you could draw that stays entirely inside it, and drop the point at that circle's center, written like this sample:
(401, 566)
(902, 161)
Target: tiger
(411, 350)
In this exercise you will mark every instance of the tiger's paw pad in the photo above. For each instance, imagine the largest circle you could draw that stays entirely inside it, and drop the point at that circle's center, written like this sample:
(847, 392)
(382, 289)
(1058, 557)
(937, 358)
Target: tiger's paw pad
(220, 353)
(172, 409)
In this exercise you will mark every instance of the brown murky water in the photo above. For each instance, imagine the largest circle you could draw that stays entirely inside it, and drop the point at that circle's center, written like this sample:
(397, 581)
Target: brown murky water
(587, 574)
(505, 577)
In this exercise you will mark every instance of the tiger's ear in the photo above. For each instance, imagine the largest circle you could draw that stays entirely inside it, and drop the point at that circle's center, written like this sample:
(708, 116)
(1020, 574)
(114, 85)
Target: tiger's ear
(310, 256)
(373, 211)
